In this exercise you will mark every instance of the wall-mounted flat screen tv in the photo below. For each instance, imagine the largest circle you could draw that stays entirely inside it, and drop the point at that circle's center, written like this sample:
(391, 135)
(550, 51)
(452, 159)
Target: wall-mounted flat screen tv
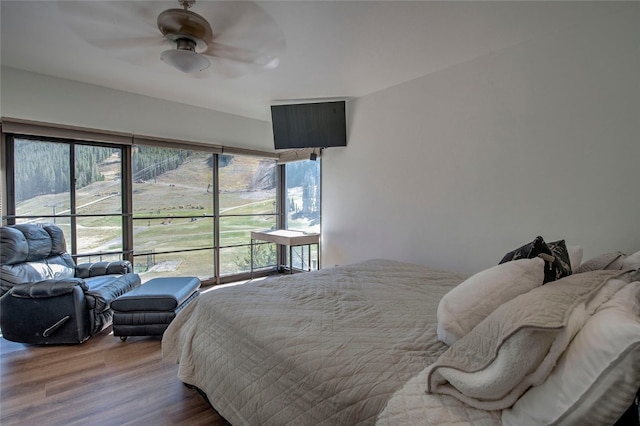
(310, 125)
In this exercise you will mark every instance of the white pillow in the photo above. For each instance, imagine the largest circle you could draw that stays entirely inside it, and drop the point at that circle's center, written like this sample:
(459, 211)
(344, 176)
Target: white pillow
(597, 377)
(467, 304)
(631, 261)
(575, 256)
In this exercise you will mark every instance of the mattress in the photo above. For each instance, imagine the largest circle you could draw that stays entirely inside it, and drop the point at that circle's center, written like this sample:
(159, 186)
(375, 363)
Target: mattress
(339, 346)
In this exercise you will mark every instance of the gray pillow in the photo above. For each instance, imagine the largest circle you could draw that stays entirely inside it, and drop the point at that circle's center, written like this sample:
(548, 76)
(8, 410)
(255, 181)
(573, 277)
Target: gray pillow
(611, 260)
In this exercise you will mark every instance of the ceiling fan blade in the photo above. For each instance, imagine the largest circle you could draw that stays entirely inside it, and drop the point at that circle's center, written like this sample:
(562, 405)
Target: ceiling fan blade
(243, 56)
(127, 43)
(113, 24)
(222, 68)
(222, 15)
(117, 15)
(243, 25)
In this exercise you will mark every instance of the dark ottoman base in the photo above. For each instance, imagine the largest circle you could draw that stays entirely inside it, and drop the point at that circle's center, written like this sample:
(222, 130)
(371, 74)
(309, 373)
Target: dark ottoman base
(149, 309)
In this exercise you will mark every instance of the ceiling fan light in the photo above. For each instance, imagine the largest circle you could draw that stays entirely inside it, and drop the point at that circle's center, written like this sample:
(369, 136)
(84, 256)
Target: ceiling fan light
(186, 61)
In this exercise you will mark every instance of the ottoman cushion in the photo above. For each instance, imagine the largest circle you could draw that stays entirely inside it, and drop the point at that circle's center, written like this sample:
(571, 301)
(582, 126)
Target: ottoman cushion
(149, 309)
(158, 294)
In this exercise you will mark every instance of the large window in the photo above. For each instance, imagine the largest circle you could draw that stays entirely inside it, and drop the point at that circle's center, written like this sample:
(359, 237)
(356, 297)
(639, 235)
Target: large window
(76, 186)
(171, 209)
(98, 199)
(303, 195)
(302, 204)
(173, 213)
(247, 203)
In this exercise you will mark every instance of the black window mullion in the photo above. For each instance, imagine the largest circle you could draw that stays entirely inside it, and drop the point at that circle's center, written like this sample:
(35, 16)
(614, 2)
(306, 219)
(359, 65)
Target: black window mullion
(72, 198)
(216, 218)
(10, 181)
(126, 189)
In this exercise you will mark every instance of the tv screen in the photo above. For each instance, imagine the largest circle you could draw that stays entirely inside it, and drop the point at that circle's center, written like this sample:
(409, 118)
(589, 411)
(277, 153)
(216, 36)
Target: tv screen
(313, 125)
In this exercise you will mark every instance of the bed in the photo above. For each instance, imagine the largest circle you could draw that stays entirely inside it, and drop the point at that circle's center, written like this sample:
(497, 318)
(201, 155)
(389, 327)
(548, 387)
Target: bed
(365, 344)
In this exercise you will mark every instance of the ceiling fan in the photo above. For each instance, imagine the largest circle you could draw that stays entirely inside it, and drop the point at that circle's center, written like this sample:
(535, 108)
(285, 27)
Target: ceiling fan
(239, 37)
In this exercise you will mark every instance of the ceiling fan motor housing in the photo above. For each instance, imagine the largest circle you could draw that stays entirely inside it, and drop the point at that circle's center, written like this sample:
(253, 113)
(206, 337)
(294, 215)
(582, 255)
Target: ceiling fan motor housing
(184, 43)
(177, 24)
(192, 35)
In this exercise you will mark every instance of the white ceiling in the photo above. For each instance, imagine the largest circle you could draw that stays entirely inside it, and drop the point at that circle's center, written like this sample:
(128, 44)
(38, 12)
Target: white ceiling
(334, 49)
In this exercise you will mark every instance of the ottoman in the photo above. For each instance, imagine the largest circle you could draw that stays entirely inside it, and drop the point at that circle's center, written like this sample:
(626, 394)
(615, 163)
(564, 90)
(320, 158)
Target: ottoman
(149, 309)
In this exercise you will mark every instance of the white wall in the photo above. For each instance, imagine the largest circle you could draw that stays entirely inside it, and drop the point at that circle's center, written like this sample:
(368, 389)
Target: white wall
(456, 168)
(42, 98)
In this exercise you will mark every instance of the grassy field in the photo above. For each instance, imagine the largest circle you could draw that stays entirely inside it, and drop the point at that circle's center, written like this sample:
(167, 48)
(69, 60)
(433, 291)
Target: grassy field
(171, 213)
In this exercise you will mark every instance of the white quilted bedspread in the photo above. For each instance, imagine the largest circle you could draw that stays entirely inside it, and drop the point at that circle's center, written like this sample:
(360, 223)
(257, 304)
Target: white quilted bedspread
(341, 346)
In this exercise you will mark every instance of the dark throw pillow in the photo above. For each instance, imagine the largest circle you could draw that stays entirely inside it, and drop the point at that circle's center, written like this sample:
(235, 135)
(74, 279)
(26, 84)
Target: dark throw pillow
(528, 251)
(555, 256)
(561, 266)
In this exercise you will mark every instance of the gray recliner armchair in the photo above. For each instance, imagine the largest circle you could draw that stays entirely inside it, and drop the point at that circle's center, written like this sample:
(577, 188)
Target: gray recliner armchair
(45, 297)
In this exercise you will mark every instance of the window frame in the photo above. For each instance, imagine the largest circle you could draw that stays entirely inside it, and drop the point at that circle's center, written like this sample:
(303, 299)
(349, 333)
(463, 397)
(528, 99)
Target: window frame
(12, 129)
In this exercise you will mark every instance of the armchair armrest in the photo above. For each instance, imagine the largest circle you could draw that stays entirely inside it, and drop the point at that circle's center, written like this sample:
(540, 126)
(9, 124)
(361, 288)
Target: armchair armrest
(50, 311)
(94, 269)
(48, 288)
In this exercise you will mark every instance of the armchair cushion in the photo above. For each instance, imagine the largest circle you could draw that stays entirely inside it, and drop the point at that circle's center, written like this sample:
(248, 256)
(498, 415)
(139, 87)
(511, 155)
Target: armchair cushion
(56, 267)
(102, 291)
(48, 288)
(33, 253)
(28, 243)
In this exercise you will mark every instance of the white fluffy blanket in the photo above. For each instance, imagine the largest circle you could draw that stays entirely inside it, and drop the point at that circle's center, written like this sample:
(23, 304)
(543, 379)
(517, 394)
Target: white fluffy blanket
(517, 346)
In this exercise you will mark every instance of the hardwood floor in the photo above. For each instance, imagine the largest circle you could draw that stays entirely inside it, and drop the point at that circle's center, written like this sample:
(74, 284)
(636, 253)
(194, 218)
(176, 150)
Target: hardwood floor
(102, 381)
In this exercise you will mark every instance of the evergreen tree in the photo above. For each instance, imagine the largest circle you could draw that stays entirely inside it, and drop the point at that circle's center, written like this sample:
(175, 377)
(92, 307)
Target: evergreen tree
(43, 167)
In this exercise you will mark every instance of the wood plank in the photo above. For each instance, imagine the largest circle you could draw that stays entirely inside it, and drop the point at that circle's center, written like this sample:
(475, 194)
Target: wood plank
(102, 381)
